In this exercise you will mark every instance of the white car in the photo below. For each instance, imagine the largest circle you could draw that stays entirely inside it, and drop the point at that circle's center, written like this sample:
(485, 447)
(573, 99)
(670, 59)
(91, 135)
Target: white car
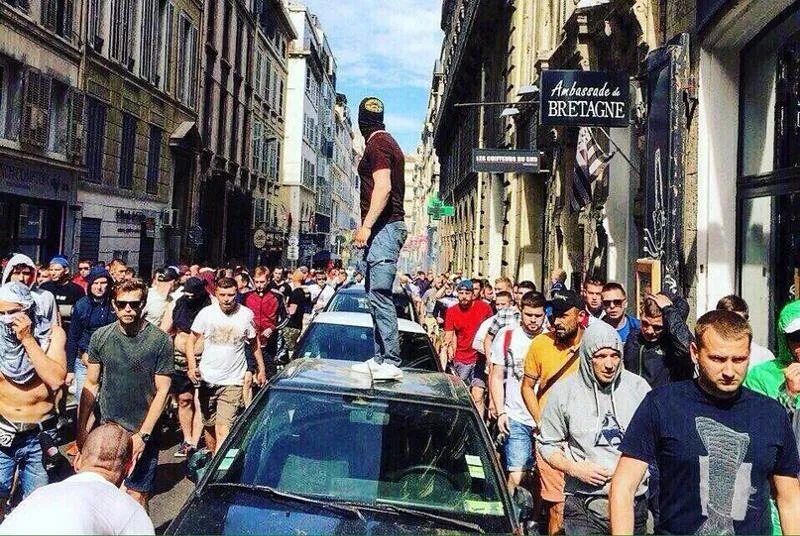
(349, 336)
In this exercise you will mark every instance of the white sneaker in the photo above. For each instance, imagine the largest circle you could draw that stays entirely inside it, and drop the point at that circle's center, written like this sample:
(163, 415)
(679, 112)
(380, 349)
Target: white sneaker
(383, 372)
(367, 367)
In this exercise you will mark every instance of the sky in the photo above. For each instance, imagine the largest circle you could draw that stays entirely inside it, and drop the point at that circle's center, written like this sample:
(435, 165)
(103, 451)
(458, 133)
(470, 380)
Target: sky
(387, 50)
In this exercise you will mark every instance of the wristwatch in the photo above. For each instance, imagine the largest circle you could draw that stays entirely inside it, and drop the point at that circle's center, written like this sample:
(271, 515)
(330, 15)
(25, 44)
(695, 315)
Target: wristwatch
(145, 437)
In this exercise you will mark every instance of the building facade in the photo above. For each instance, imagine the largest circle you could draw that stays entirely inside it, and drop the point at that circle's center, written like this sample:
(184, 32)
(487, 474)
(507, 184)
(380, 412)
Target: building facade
(41, 127)
(344, 200)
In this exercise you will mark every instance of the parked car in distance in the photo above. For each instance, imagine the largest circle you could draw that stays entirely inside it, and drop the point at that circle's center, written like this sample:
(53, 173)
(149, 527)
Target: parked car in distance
(353, 299)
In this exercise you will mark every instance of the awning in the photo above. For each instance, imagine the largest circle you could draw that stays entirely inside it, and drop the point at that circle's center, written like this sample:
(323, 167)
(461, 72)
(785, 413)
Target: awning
(186, 137)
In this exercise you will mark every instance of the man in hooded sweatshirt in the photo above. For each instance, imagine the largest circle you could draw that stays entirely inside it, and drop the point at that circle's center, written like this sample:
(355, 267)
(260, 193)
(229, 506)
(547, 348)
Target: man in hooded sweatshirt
(22, 269)
(780, 378)
(90, 313)
(589, 413)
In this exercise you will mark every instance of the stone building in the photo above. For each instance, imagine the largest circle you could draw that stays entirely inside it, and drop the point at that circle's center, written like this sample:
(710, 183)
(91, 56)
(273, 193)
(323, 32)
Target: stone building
(41, 127)
(141, 77)
(274, 32)
(344, 200)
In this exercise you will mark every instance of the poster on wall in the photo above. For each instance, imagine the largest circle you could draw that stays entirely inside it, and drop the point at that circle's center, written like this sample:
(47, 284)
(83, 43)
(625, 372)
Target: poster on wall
(667, 71)
(584, 98)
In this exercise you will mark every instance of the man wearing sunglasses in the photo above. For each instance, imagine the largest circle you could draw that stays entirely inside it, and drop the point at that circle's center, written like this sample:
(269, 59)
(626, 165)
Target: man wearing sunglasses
(129, 374)
(615, 304)
(82, 277)
(659, 350)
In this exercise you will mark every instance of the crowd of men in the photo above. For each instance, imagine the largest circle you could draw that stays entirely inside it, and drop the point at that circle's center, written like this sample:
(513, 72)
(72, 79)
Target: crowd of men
(627, 423)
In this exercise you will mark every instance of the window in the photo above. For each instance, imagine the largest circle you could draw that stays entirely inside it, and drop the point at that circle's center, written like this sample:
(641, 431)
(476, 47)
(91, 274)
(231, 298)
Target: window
(258, 210)
(153, 160)
(95, 18)
(268, 82)
(280, 97)
(186, 90)
(10, 98)
(222, 123)
(95, 139)
(36, 109)
(257, 72)
(235, 123)
(152, 19)
(127, 151)
(19, 4)
(57, 16)
(167, 43)
(90, 238)
(237, 61)
(226, 31)
(277, 159)
(122, 16)
(59, 118)
(274, 91)
(256, 144)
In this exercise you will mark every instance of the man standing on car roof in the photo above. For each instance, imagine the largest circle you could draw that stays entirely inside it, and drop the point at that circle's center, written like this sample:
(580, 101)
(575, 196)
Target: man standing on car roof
(382, 232)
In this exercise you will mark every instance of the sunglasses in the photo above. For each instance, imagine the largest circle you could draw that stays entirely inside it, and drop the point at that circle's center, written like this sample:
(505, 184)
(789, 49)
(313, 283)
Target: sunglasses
(615, 303)
(122, 304)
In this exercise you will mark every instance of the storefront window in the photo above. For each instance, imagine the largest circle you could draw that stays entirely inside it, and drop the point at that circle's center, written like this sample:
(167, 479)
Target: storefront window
(756, 265)
(30, 227)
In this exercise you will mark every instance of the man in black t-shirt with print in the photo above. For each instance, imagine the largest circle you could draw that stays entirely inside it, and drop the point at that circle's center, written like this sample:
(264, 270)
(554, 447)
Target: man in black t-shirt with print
(383, 233)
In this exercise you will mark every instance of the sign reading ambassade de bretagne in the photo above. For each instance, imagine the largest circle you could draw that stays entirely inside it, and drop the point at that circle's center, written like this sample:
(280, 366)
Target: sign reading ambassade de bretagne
(584, 98)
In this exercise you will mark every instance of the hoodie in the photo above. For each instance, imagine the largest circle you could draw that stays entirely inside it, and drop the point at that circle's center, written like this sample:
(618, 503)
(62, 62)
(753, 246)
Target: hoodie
(46, 310)
(88, 314)
(588, 418)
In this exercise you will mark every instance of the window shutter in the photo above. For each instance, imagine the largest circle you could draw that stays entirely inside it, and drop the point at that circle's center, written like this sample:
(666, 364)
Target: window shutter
(193, 69)
(75, 128)
(69, 13)
(49, 13)
(36, 108)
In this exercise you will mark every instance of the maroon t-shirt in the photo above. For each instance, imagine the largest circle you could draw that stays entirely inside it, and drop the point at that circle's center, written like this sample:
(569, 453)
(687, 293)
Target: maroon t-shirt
(465, 324)
(383, 152)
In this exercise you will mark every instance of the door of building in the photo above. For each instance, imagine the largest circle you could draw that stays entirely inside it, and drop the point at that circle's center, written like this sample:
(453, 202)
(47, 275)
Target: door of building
(146, 246)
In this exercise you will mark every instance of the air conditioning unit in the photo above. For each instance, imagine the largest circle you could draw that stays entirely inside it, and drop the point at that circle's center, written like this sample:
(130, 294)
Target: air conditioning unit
(169, 217)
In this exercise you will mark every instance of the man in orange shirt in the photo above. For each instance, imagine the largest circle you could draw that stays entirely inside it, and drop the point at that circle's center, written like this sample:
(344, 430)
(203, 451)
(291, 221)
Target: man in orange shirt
(552, 357)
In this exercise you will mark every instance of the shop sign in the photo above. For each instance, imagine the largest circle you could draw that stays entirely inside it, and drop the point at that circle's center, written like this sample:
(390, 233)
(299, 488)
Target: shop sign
(505, 161)
(35, 181)
(584, 98)
(259, 238)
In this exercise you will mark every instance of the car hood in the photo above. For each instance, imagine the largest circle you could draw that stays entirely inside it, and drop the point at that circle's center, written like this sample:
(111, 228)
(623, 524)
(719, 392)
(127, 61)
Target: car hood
(242, 512)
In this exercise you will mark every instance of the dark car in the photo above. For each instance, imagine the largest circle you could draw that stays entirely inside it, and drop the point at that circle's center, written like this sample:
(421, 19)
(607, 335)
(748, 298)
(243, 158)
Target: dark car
(353, 299)
(324, 450)
(349, 337)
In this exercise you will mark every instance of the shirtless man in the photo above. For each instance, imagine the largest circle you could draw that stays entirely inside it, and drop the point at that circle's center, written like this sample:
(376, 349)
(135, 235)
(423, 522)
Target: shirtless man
(33, 367)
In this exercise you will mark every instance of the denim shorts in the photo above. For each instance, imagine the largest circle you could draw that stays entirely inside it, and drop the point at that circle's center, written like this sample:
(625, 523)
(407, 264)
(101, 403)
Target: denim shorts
(24, 453)
(143, 477)
(518, 447)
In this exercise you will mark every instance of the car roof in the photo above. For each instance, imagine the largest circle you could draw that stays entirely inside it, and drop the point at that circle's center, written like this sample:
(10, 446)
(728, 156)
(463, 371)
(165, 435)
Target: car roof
(334, 375)
(362, 320)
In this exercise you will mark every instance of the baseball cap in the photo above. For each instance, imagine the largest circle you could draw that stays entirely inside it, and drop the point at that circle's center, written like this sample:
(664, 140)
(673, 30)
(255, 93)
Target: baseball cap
(564, 300)
(465, 284)
(167, 274)
(61, 261)
(793, 326)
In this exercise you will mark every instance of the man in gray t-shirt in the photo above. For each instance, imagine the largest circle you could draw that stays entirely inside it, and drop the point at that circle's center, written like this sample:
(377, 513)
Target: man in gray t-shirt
(129, 375)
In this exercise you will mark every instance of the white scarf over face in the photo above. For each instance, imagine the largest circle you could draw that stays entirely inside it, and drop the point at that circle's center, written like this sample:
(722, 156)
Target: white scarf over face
(14, 362)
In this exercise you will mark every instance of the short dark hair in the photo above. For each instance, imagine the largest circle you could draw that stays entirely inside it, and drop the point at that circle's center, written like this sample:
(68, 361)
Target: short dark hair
(733, 303)
(726, 324)
(614, 286)
(651, 309)
(226, 282)
(594, 281)
(532, 299)
(477, 281)
(527, 284)
(503, 294)
(131, 285)
(115, 262)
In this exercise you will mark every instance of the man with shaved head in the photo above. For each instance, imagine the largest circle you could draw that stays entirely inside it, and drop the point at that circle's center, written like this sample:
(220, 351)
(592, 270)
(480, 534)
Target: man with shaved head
(89, 502)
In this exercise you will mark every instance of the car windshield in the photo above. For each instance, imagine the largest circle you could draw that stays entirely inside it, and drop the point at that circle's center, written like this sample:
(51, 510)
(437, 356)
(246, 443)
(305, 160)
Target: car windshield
(355, 343)
(379, 452)
(356, 302)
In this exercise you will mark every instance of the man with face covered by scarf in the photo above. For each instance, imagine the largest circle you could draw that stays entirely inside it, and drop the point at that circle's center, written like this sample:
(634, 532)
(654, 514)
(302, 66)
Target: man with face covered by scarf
(382, 233)
(32, 369)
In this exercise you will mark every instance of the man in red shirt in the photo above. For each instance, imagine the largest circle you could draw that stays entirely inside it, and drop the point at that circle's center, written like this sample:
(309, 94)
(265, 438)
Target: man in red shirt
(265, 306)
(461, 322)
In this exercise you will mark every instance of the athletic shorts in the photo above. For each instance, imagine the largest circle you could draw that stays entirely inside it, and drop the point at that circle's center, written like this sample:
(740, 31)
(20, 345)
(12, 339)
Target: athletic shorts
(181, 384)
(474, 375)
(551, 479)
(143, 477)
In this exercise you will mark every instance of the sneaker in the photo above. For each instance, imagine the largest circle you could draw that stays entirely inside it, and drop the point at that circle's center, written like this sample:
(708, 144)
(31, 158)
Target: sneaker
(184, 450)
(367, 367)
(387, 371)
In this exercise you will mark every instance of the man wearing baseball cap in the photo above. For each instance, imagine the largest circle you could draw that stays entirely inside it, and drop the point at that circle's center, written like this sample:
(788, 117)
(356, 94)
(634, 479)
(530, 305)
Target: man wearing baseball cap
(461, 323)
(382, 233)
(552, 357)
(65, 291)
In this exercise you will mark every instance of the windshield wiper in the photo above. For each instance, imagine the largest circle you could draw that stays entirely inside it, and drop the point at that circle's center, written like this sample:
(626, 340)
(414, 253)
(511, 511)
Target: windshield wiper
(272, 492)
(403, 510)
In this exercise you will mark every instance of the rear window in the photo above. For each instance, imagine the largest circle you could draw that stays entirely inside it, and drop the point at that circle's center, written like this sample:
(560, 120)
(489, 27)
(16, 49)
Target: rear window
(353, 343)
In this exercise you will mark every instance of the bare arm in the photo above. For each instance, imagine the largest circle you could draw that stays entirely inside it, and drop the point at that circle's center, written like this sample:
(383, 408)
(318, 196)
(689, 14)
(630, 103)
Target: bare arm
(50, 366)
(487, 345)
(191, 360)
(87, 400)
(787, 498)
(261, 373)
(166, 321)
(380, 196)
(446, 354)
(626, 480)
(163, 382)
(529, 397)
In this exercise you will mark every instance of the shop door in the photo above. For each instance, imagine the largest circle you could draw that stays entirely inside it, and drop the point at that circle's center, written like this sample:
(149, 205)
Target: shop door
(146, 245)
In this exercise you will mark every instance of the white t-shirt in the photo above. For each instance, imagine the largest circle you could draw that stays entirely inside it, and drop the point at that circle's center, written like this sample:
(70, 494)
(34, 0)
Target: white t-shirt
(155, 307)
(514, 370)
(85, 503)
(483, 329)
(224, 336)
(320, 295)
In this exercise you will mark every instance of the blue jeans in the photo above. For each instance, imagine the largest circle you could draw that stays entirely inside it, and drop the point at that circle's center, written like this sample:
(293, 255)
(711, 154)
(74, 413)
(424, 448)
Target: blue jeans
(24, 453)
(383, 250)
(518, 448)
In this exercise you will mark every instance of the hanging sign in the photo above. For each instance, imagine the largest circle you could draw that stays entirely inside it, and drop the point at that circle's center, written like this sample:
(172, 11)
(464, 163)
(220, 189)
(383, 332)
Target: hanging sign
(584, 98)
(505, 160)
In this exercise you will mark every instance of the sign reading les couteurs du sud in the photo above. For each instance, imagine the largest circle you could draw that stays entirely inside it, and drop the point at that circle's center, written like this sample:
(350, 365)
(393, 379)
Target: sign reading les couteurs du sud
(505, 160)
(584, 99)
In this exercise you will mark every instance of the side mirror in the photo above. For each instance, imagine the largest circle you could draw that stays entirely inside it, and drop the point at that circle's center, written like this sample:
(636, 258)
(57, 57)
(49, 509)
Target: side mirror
(197, 464)
(526, 509)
